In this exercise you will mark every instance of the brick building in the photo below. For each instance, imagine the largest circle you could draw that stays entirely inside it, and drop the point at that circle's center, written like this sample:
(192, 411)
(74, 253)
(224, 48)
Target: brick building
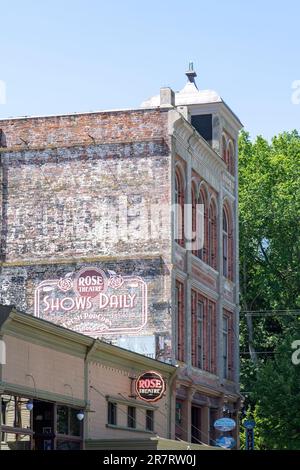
(88, 240)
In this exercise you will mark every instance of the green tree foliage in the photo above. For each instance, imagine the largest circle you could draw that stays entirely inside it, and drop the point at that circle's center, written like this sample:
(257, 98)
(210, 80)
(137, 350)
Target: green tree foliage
(270, 281)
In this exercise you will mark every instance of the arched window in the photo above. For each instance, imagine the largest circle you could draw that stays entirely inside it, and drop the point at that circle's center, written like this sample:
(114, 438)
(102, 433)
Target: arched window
(224, 149)
(201, 253)
(227, 245)
(230, 157)
(179, 209)
(194, 215)
(212, 235)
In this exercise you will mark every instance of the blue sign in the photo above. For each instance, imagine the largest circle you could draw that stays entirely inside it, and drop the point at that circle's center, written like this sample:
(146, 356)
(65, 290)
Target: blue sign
(227, 442)
(249, 439)
(249, 424)
(224, 424)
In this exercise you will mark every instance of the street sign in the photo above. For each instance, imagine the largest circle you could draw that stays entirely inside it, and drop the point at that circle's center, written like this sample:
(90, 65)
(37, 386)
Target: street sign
(227, 442)
(224, 424)
(249, 439)
(249, 424)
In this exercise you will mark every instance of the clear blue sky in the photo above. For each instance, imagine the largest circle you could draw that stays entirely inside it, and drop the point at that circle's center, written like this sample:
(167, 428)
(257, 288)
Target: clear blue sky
(74, 55)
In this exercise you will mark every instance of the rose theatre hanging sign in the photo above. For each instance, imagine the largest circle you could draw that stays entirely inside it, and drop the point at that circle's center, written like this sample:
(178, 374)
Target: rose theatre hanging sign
(93, 302)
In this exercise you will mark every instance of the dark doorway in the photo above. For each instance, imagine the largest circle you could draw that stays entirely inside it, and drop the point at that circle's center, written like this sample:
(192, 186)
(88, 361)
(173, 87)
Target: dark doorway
(196, 424)
(43, 425)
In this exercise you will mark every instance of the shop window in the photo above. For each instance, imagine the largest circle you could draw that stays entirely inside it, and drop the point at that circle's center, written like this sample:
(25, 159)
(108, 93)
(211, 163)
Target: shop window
(16, 432)
(131, 417)
(112, 413)
(62, 419)
(16, 441)
(149, 420)
(67, 422)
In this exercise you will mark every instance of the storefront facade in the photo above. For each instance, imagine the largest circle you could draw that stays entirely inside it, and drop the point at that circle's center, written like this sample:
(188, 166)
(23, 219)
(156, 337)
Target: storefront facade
(63, 390)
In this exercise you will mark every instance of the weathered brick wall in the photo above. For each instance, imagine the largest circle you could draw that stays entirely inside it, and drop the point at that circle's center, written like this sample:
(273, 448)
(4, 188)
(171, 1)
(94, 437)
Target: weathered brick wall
(61, 197)
(83, 201)
(76, 129)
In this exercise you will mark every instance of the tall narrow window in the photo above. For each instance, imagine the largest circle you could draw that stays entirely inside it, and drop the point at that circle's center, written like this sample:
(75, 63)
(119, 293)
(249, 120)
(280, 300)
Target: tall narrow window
(179, 210)
(202, 251)
(209, 333)
(200, 313)
(224, 149)
(212, 236)
(180, 321)
(149, 420)
(225, 346)
(112, 413)
(131, 417)
(225, 243)
(194, 329)
(230, 157)
(194, 217)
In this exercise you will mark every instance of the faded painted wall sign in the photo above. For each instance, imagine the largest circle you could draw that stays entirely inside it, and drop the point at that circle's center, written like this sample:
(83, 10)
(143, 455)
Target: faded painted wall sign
(93, 302)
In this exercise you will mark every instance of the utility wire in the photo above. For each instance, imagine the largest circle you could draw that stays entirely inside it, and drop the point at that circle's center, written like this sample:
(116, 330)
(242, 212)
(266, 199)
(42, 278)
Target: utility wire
(163, 414)
(295, 312)
(182, 429)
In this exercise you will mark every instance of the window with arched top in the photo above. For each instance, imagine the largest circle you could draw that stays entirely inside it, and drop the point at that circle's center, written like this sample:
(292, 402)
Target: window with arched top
(201, 252)
(230, 157)
(194, 215)
(179, 209)
(227, 245)
(224, 149)
(212, 235)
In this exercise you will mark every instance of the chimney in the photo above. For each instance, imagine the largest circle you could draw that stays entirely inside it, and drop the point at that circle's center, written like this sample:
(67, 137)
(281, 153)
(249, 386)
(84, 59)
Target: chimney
(167, 97)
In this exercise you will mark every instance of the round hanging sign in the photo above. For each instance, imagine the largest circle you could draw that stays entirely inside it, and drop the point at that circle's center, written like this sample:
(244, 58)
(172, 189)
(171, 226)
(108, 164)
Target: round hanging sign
(224, 424)
(150, 386)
